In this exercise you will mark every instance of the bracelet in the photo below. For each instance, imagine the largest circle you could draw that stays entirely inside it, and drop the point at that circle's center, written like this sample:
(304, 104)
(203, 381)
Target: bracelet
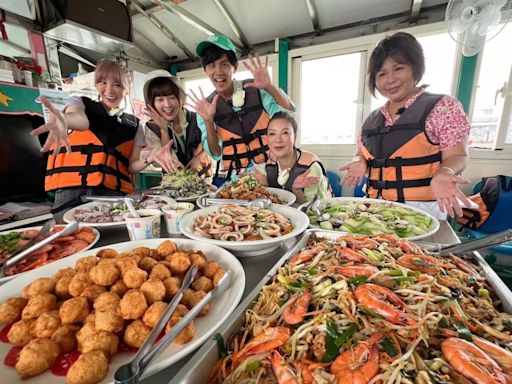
(451, 169)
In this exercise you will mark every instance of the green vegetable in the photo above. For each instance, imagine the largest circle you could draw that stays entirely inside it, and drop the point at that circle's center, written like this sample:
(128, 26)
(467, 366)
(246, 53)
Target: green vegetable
(334, 340)
(252, 366)
(312, 271)
(402, 279)
(482, 292)
(398, 272)
(9, 242)
(388, 347)
(462, 331)
(221, 347)
(358, 280)
(443, 323)
(370, 313)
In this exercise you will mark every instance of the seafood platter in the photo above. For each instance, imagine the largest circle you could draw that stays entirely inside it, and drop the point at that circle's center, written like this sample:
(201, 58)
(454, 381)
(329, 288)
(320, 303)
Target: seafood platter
(371, 216)
(248, 231)
(79, 319)
(340, 308)
(184, 185)
(11, 241)
(111, 213)
(248, 188)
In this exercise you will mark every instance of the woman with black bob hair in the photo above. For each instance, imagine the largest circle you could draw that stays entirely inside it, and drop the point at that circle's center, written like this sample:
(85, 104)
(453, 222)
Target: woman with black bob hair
(413, 148)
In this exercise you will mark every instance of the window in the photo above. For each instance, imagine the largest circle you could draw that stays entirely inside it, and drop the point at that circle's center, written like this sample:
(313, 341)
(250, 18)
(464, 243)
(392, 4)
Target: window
(490, 92)
(330, 94)
(440, 53)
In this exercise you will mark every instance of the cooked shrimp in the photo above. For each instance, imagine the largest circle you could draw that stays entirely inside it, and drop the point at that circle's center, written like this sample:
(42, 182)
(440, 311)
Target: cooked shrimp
(284, 374)
(359, 242)
(354, 271)
(372, 297)
(268, 339)
(306, 255)
(296, 310)
(359, 364)
(502, 356)
(345, 253)
(423, 264)
(471, 362)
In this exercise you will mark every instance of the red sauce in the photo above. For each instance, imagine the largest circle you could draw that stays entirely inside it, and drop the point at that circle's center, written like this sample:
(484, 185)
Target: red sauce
(3, 333)
(12, 356)
(63, 362)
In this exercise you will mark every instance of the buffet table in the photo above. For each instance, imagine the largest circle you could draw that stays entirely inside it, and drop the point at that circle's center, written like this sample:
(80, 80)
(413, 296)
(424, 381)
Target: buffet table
(255, 269)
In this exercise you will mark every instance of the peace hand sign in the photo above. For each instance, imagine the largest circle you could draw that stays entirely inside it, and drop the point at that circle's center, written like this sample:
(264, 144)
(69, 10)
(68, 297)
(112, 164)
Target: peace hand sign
(202, 106)
(259, 72)
(57, 127)
(156, 117)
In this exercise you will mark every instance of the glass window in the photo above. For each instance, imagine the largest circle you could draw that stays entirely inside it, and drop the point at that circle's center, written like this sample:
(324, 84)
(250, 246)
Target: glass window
(329, 94)
(440, 53)
(488, 105)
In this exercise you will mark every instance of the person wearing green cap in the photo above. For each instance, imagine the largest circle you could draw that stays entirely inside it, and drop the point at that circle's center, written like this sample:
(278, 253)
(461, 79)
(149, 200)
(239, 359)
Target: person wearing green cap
(233, 119)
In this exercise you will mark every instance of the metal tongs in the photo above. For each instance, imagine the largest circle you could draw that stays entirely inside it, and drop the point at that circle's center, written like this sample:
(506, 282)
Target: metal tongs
(476, 244)
(68, 230)
(314, 205)
(260, 203)
(130, 373)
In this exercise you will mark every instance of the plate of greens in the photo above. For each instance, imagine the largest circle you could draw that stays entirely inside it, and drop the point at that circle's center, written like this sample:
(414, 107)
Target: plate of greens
(184, 185)
(371, 216)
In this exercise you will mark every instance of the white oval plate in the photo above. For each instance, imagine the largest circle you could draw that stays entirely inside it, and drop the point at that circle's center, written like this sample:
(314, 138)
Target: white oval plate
(299, 220)
(205, 326)
(7, 278)
(433, 228)
(283, 194)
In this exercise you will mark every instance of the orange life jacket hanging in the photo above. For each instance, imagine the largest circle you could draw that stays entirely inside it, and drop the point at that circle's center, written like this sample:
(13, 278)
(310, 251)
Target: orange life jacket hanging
(99, 156)
(244, 132)
(401, 158)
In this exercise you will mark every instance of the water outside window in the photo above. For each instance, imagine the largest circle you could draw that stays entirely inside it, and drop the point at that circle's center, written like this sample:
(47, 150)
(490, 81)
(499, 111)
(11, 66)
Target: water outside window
(329, 97)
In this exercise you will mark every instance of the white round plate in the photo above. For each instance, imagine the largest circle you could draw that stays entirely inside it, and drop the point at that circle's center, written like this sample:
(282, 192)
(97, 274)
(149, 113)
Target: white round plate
(220, 308)
(251, 248)
(286, 196)
(7, 278)
(433, 227)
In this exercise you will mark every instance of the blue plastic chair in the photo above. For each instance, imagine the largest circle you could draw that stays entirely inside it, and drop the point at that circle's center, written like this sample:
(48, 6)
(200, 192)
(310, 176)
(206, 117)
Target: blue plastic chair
(358, 190)
(335, 183)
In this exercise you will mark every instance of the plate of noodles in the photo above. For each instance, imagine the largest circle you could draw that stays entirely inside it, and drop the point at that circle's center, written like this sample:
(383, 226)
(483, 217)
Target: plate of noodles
(248, 231)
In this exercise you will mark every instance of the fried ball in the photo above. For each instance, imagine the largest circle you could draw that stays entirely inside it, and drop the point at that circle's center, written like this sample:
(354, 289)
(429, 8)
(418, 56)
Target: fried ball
(62, 287)
(172, 286)
(90, 368)
(106, 342)
(10, 310)
(187, 297)
(119, 288)
(184, 336)
(85, 264)
(160, 272)
(210, 268)
(108, 321)
(218, 275)
(202, 283)
(36, 357)
(133, 305)
(105, 274)
(196, 297)
(125, 263)
(180, 311)
(39, 304)
(134, 277)
(180, 262)
(93, 292)
(69, 272)
(136, 333)
(20, 334)
(107, 301)
(91, 317)
(198, 259)
(41, 285)
(107, 253)
(65, 337)
(140, 253)
(166, 263)
(147, 263)
(106, 262)
(79, 283)
(155, 255)
(74, 310)
(86, 332)
(154, 313)
(166, 248)
(153, 290)
(46, 324)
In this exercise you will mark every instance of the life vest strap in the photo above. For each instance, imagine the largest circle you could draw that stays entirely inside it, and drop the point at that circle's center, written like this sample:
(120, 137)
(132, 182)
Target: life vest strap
(236, 114)
(387, 184)
(90, 149)
(400, 161)
(84, 170)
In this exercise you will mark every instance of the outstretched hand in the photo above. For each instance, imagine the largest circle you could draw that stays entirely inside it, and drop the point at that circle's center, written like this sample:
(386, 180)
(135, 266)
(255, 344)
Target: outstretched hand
(304, 180)
(447, 193)
(202, 106)
(57, 128)
(355, 173)
(166, 158)
(261, 78)
(260, 177)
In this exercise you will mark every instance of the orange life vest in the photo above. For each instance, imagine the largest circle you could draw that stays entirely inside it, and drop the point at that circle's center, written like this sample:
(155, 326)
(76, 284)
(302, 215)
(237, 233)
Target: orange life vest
(243, 133)
(99, 156)
(401, 158)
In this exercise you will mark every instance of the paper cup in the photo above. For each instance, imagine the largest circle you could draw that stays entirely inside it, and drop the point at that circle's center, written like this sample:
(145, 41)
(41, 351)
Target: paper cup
(173, 215)
(145, 227)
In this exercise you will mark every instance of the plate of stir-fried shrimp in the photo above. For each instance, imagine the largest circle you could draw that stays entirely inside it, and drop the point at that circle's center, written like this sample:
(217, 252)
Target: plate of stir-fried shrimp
(370, 309)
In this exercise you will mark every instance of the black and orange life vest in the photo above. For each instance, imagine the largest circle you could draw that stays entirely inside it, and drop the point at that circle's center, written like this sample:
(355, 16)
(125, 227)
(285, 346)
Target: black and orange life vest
(401, 158)
(303, 163)
(193, 148)
(244, 132)
(99, 156)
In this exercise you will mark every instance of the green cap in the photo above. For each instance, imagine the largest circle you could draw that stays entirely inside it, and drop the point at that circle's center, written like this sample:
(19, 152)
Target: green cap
(220, 41)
